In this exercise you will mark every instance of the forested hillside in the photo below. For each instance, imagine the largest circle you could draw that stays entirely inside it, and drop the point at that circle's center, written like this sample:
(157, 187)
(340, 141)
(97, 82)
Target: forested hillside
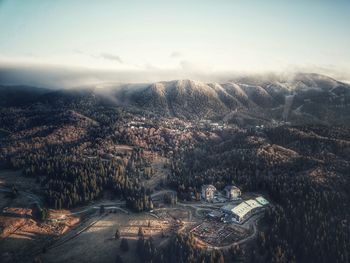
(80, 144)
(305, 170)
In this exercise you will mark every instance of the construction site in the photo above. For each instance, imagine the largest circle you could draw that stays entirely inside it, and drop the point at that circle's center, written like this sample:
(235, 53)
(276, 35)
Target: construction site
(217, 235)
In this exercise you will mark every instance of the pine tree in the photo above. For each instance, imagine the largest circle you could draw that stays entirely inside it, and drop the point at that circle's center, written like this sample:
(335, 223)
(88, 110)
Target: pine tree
(117, 234)
(118, 259)
(124, 245)
(140, 233)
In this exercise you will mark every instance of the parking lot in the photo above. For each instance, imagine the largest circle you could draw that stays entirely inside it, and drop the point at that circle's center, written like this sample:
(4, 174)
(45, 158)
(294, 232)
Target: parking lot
(219, 234)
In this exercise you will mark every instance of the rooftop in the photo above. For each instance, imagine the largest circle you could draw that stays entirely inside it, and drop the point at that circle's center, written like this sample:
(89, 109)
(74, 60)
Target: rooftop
(242, 209)
(230, 187)
(253, 203)
(262, 200)
(245, 207)
(209, 186)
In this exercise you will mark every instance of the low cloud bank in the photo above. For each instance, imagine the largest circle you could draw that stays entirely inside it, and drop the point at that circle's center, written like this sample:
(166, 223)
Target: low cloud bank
(58, 77)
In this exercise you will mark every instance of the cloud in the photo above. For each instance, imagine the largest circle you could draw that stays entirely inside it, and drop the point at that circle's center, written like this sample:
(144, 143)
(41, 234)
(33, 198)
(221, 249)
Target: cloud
(50, 76)
(176, 54)
(78, 51)
(113, 57)
(340, 73)
(58, 77)
(149, 66)
(187, 65)
(105, 55)
(191, 66)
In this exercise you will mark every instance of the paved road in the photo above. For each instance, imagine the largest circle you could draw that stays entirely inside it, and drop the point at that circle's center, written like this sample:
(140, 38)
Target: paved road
(162, 192)
(95, 206)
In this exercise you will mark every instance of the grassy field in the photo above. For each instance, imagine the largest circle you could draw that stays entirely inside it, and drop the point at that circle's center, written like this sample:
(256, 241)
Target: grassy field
(97, 243)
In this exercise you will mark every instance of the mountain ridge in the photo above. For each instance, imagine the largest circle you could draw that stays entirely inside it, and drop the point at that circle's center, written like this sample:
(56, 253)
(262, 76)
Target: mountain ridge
(304, 98)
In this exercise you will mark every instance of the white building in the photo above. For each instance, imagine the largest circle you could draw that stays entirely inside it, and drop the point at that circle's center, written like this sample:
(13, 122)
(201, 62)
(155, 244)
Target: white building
(245, 209)
(241, 211)
(208, 192)
(232, 192)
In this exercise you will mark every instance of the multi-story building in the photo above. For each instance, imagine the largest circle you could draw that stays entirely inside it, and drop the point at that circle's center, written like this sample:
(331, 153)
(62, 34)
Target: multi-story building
(232, 192)
(208, 192)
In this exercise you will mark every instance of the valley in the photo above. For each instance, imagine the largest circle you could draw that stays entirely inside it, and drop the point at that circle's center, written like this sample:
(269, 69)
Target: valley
(77, 166)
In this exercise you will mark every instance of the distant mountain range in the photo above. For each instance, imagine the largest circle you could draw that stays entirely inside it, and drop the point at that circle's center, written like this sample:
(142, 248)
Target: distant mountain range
(300, 99)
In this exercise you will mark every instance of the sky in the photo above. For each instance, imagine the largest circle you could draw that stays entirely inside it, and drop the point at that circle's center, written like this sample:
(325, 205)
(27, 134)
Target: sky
(179, 36)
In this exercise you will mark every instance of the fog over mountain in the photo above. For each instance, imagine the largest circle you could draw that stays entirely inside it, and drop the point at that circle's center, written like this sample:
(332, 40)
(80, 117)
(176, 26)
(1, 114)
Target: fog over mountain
(50, 76)
(302, 98)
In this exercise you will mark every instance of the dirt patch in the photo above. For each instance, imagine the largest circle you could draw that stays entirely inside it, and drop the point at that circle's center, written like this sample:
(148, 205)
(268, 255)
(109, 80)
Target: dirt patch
(10, 224)
(22, 238)
(20, 235)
